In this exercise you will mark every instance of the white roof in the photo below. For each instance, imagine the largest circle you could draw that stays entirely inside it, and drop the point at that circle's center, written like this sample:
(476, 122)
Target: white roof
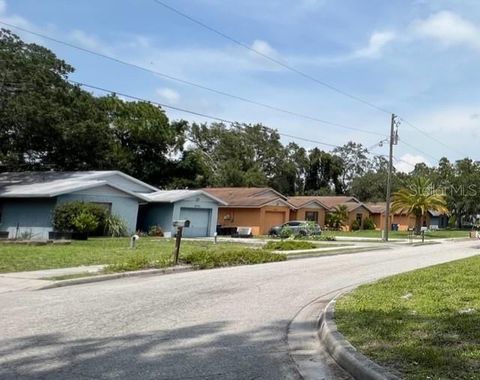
(172, 196)
(52, 184)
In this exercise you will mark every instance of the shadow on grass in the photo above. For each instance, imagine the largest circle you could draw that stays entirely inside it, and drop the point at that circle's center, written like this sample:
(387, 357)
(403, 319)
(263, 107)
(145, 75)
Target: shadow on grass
(419, 346)
(196, 352)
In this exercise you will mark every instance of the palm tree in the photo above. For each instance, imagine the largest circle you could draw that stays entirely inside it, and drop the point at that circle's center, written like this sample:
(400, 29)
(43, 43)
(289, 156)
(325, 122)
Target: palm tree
(338, 217)
(418, 199)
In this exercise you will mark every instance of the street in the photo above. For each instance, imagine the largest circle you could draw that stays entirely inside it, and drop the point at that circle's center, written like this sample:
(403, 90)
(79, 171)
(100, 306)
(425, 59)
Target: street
(225, 323)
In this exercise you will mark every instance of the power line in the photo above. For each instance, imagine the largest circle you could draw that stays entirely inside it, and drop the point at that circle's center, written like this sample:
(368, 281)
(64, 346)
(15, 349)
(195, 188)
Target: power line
(194, 112)
(270, 58)
(193, 84)
(291, 68)
(419, 150)
(430, 136)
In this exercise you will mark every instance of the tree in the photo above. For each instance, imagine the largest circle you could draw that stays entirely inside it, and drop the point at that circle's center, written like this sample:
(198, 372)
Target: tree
(418, 199)
(46, 122)
(143, 139)
(355, 162)
(338, 217)
(323, 172)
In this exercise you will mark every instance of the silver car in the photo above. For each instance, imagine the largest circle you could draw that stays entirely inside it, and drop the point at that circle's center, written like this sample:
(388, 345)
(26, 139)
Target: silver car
(298, 227)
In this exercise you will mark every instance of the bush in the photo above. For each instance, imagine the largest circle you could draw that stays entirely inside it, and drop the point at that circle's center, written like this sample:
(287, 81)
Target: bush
(285, 232)
(289, 245)
(85, 222)
(136, 262)
(72, 217)
(355, 225)
(155, 231)
(205, 259)
(323, 237)
(368, 224)
(115, 226)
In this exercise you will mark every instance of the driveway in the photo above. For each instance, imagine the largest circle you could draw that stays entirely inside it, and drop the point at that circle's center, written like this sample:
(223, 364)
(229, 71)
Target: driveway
(227, 323)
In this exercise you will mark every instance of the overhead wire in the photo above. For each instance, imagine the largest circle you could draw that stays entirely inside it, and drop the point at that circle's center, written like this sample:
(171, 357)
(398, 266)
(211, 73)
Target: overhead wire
(293, 69)
(192, 84)
(204, 115)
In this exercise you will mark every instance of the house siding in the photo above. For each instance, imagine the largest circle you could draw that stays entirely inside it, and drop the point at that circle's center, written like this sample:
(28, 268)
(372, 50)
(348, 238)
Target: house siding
(240, 217)
(123, 205)
(300, 214)
(163, 214)
(33, 216)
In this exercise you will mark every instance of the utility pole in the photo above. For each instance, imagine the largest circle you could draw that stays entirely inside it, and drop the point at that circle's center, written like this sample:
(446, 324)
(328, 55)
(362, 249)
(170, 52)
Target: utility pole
(393, 141)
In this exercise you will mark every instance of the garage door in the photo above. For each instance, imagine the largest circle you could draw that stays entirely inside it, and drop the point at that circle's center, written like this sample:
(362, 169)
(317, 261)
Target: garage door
(273, 218)
(199, 221)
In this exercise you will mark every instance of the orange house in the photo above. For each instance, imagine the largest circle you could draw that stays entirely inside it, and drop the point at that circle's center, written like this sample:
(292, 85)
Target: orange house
(308, 208)
(432, 219)
(257, 208)
(404, 221)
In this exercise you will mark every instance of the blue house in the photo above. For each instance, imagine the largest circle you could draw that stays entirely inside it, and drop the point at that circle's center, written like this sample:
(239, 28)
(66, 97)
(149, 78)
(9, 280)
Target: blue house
(197, 206)
(27, 199)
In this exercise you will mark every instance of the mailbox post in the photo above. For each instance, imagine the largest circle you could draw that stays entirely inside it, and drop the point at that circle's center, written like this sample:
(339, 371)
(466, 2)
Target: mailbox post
(180, 224)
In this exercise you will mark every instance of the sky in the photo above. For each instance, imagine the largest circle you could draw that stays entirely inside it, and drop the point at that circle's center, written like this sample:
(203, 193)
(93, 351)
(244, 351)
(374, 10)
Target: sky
(416, 58)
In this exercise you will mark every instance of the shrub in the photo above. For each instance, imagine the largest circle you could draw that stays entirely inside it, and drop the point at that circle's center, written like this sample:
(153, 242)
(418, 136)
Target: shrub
(204, 259)
(289, 245)
(355, 225)
(155, 231)
(368, 224)
(285, 232)
(71, 216)
(85, 222)
(137, 262)
(115, 226)
(323, 237)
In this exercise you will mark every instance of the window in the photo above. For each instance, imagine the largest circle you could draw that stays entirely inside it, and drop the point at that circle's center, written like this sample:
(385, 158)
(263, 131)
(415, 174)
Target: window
(311, 216)
(292, 224)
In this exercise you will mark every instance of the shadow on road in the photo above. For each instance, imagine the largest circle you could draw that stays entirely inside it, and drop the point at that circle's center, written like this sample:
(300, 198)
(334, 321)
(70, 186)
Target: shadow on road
(197, 351)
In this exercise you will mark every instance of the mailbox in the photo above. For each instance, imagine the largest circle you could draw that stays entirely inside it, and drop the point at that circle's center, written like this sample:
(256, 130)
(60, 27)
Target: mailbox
(181, 223)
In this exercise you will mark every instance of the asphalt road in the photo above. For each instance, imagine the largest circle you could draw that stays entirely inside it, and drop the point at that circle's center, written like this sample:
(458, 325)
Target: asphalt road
(227, 323)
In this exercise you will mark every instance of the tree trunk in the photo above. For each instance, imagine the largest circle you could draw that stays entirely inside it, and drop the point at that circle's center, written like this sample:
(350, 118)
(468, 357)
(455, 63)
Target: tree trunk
(418, 224)
(459, 221)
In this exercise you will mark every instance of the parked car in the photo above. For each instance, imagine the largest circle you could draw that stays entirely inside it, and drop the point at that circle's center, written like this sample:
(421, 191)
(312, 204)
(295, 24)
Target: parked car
(298, 227)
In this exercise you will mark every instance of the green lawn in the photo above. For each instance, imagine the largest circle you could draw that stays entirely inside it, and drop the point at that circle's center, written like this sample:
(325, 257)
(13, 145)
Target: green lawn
(424, 324)
(116, 251)
(440, 234)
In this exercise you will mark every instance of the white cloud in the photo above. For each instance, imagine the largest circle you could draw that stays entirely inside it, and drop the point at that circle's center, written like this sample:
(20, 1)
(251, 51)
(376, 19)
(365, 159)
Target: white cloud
(458, 119)
(89, 41)
(264, 48)
(406, 163)
(449, 29)
(378, 40)
(168, 94)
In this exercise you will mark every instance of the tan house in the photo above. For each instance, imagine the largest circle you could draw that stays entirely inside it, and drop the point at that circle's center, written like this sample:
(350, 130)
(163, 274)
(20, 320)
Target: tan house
(432, 220)
(308, 208)
(258, 208)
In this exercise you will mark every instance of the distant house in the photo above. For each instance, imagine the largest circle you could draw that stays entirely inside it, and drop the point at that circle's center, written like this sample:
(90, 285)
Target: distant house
(197, 206)
(258, 208)
(310, 207)
(27, 199)
(432, 220)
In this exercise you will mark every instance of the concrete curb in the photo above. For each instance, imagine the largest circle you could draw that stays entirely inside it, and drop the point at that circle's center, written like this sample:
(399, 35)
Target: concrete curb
(356, 364)
(340, 251)
(114, 276)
